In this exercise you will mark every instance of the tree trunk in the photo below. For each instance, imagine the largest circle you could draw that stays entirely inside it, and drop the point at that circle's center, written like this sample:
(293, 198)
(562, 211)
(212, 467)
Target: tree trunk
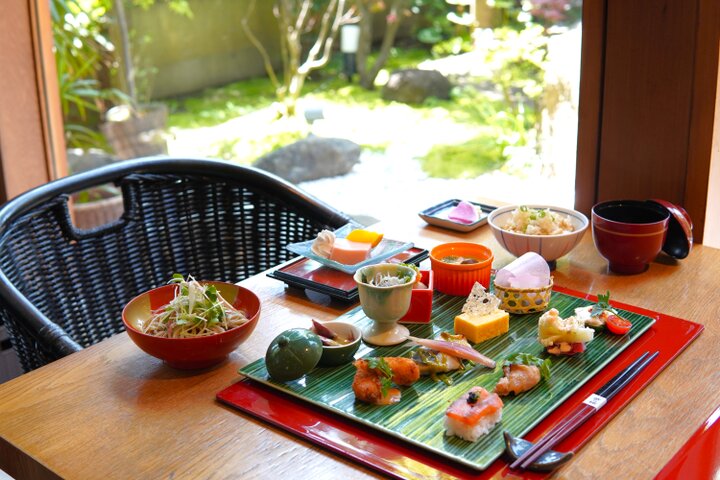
(365, 41)
(293, 18)
(393, 19)
(128, 67)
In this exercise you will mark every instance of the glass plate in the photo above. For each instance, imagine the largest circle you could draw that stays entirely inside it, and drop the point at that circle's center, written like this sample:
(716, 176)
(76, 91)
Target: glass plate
(385, 249)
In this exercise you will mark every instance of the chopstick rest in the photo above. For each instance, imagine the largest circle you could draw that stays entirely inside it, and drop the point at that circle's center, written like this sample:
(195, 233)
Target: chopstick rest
(515, 447)
(534, 454)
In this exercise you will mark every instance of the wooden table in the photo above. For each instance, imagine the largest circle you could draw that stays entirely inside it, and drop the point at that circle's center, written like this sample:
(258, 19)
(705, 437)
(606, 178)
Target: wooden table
(111, 411)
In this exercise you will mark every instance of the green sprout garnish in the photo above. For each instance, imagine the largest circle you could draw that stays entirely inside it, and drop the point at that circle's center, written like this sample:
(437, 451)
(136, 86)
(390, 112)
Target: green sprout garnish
(521, 358)
(386, 373)
(602, 304)
(418, 276)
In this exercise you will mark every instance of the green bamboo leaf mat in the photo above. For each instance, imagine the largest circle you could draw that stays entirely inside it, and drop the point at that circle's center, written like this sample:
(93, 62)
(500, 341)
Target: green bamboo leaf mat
(419, 417)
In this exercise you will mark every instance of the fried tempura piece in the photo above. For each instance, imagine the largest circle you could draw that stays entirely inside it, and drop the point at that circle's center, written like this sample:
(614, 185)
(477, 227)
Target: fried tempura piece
(368, 386)
(405, 372)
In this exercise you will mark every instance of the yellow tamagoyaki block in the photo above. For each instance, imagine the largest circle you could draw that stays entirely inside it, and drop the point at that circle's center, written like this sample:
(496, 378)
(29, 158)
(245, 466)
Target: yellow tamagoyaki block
(483, 327)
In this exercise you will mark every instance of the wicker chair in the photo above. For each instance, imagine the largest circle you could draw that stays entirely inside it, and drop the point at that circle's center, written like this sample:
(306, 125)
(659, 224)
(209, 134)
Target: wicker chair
(63, 289)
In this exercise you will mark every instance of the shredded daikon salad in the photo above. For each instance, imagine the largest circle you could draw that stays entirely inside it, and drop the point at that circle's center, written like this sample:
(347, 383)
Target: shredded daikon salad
(533, 221)
(197, 310)
(387, 280)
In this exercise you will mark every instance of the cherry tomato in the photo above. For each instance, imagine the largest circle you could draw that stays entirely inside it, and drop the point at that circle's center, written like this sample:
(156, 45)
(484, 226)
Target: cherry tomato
(617, 325)
(578, 347)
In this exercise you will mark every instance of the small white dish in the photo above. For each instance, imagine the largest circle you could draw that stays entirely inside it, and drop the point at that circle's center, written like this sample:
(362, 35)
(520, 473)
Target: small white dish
(437, 215)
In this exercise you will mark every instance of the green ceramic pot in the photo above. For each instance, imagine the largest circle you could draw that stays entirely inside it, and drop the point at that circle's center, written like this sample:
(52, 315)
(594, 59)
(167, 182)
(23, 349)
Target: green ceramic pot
(292, 354)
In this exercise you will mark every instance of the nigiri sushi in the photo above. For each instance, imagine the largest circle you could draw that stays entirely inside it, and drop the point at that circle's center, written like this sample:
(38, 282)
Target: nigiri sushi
(517, 378)
(473, 414)
(522, 371)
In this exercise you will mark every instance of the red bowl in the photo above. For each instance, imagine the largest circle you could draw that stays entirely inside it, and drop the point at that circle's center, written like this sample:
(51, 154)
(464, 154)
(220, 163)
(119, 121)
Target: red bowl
(197, 352)
(629, 233)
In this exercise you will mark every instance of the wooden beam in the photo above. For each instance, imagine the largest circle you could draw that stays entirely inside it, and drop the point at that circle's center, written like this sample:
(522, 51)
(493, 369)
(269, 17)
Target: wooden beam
(702, 190)
(647, 98)
(31, 141)
(590, 104)
(649, 105)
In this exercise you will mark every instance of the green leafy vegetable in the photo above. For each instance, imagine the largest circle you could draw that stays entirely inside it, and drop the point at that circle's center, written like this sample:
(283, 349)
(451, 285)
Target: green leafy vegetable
(434, 360)
(386, 373)
(521, 358)
(602, 304)
(418, 275)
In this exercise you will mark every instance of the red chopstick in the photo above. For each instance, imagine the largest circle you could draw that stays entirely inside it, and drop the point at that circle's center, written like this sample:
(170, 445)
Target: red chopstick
(583, 411)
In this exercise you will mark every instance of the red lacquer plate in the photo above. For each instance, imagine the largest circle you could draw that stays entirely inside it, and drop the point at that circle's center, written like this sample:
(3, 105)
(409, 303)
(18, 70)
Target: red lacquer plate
(669, 335)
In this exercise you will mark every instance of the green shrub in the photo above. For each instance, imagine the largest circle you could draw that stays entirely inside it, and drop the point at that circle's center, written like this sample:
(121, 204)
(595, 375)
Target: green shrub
(479, 155)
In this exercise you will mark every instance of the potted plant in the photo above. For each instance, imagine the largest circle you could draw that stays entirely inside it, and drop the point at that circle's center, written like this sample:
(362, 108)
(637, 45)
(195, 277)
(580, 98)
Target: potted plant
(96, 206)
(135, 128)
(82, 62)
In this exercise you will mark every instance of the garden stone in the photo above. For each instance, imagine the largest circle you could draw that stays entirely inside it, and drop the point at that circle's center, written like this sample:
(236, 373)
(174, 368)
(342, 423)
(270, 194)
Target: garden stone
(414, 86)
(311, 158)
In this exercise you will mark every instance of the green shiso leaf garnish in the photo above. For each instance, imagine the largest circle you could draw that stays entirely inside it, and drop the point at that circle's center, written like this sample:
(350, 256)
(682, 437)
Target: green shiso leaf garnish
(379, 363)
(521, 358)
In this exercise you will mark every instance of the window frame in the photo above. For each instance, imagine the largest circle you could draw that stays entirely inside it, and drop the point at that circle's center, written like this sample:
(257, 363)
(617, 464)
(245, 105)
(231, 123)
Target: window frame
(32, 146)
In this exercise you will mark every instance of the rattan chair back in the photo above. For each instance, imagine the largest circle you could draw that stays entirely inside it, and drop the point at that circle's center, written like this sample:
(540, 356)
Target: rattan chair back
(63, 289)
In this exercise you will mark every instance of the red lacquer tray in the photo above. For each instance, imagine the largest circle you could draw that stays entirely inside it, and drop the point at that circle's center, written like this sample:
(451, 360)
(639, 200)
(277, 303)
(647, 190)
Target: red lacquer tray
(699, 458)
(669, 335)
(309, 274)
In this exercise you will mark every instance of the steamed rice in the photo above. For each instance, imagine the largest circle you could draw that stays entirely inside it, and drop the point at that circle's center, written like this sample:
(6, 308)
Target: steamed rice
(474, 414)
(471, 433)
(533, 221)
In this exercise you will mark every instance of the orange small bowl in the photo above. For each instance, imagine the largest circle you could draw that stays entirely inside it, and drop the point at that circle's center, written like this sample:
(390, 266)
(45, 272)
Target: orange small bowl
(454, 279)
(197, 352)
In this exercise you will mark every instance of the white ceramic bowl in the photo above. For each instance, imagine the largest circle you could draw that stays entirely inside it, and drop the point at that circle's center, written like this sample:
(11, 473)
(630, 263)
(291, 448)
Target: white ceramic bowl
(550, 247)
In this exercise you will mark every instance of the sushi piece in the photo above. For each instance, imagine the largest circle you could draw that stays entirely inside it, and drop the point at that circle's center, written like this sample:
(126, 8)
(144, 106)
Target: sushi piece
(433, 362)
(522, 371)
(473, 415)
(517, 378)
(563, 336)
(455, 349)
